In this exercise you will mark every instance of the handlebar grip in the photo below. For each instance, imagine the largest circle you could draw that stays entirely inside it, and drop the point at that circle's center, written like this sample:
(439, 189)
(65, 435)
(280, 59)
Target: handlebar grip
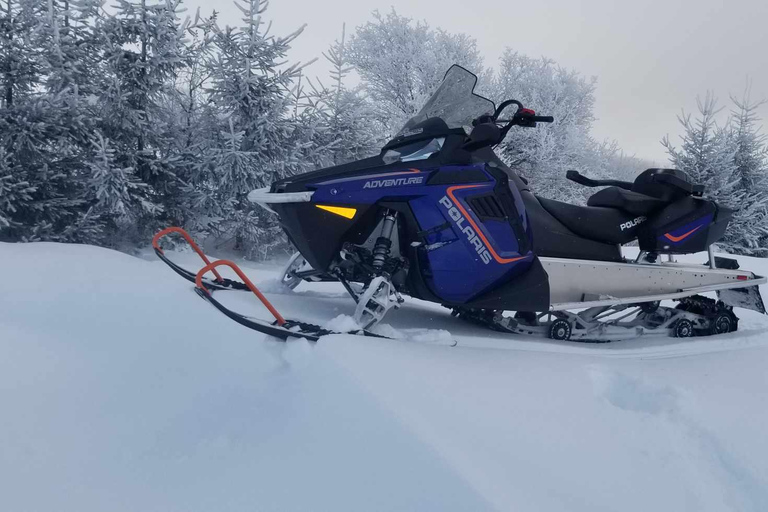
(542, 119)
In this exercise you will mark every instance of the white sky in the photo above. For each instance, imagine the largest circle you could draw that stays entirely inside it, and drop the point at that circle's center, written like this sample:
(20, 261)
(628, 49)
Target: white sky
(651, 57)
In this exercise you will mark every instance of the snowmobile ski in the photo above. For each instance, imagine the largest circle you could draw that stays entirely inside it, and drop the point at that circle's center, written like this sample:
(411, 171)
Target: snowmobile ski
(281, 328)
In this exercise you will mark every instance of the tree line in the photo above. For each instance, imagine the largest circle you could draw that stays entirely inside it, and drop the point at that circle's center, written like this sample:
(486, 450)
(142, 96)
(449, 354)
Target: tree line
(117, 121)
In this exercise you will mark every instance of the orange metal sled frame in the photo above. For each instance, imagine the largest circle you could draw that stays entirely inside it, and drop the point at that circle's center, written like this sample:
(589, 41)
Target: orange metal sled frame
(280, 328)
(190, 241)
(211, 267)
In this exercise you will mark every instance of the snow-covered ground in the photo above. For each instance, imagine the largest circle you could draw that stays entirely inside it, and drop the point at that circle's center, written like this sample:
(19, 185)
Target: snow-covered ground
(120, 390)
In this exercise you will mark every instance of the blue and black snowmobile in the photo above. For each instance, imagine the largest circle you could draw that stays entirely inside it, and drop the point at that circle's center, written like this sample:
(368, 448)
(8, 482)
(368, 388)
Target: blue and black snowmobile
(439, 217)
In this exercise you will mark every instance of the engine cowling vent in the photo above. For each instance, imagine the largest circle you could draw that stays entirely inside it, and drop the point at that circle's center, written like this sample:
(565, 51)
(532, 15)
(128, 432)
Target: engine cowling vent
(486, 207)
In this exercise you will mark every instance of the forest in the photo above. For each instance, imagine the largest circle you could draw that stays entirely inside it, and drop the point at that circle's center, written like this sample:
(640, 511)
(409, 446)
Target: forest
(117, 120)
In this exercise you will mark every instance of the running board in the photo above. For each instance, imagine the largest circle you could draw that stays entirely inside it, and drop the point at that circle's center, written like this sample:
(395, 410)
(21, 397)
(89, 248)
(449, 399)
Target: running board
(614, 301)
(578, 284)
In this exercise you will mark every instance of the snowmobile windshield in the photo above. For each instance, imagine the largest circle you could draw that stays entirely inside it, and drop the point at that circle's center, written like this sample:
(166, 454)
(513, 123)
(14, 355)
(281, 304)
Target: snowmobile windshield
(454, 102)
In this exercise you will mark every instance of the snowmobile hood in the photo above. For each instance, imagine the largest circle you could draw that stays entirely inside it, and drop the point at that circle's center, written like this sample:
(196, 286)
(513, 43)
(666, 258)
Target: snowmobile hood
(448, 151)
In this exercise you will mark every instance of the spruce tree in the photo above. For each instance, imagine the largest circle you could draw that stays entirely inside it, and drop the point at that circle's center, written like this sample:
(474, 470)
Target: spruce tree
(345, 126)
(710, 154)
(253, 141)
(41, 129)
(750, 160)
(143, 46)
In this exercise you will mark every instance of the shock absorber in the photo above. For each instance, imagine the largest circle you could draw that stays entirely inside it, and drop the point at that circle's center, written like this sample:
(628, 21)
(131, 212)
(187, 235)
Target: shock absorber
(384, 242)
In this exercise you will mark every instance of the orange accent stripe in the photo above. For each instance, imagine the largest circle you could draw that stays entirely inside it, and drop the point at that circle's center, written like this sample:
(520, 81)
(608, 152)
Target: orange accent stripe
(681, 237)
(479, 232)
(190, 241)
(210, 268)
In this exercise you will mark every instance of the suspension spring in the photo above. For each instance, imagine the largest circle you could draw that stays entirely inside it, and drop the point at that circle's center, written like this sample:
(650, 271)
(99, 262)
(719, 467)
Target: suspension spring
(384, 242)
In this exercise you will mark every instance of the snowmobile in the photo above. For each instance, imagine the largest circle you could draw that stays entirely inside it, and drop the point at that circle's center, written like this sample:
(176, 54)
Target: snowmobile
(439, 217)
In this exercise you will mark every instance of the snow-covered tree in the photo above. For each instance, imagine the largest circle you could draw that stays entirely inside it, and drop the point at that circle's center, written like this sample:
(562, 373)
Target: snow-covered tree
(39, 137)
(113, 188)
(706, 151)
(544, 154)
(42, 129)
(72, 55)
(751, 156)
(401, 63)
(20, 68)
(343, 120)
(253, 143)
(712, 155)
(143, 45)
(14, 192)
(20, 59)
(186, 103)
(751, 169)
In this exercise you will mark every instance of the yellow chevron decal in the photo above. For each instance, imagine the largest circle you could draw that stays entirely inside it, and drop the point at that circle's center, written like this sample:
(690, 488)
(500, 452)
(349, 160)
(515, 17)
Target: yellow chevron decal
(339, 210)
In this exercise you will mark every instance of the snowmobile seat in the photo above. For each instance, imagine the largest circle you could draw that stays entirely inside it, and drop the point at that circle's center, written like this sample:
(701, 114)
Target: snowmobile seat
(628, 201)
(651, 190)
(602, 224)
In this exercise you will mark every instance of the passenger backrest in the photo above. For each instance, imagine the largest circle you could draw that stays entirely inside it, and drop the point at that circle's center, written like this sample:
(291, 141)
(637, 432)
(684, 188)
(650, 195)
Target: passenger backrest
(666, 184)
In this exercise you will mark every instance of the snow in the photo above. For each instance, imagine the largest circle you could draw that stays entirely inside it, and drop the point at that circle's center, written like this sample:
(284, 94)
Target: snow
(342, 323)
(122, 391)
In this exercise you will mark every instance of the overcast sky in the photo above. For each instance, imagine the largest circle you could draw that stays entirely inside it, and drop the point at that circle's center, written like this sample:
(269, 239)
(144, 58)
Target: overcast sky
(651, 57)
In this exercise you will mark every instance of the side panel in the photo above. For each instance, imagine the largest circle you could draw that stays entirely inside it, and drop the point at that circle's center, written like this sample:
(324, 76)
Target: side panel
(469, 243)
(686, 226)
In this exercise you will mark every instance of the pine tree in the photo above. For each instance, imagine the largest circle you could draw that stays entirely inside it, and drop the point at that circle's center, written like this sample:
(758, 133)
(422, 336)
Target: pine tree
(20, 60)
(253, 143)
(344, 125)
(19, 65)
(40, 132)
(13, 192)
(706, 152)
(710, 155)
(143, 50)
(751, 156)
(114, 188)
(73, 55)
(751, 169)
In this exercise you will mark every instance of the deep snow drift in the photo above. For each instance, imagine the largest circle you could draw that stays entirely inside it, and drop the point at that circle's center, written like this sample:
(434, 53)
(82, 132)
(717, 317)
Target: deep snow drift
(120, 390)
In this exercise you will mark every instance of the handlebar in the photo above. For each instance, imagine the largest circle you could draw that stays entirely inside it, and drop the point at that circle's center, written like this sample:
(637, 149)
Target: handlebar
(535, 119)
(488, 131)
(524, 117)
